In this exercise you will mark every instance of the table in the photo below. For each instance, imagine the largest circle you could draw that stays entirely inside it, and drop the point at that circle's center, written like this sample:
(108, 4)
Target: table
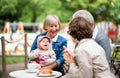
(25, 74)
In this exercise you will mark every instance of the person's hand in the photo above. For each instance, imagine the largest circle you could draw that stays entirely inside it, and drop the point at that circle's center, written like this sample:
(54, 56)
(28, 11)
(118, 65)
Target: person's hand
(33, 62)
(68, 58)
(51, 66)
(70, 52)
(38, 66)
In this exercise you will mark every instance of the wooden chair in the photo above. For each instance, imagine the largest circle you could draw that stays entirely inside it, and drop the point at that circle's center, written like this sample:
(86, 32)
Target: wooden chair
(115, 64)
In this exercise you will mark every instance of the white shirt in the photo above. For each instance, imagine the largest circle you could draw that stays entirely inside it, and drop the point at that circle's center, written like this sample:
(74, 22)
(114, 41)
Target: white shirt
(95, 31)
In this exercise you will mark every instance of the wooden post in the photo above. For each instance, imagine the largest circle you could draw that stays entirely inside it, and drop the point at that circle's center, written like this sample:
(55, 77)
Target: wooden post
(25, 48)
(3, 57)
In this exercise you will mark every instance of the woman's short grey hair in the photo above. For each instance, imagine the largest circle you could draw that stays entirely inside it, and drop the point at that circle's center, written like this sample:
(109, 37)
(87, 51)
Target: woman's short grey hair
(85, 14)
(50, 20)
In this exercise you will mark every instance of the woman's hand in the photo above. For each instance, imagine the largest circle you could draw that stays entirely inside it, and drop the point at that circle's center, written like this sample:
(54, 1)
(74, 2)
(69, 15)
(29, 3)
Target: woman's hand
(70, 52)
(68, 56)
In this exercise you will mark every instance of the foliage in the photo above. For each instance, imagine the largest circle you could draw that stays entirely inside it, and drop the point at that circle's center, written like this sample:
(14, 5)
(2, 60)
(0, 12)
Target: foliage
(37, 10)
(8, 10)
(118, 40)
(117, 56)
(115, 12)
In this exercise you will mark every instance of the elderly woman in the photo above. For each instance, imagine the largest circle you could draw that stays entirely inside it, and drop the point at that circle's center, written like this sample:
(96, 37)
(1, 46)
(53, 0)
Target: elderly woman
(52, 27)
(88, 60)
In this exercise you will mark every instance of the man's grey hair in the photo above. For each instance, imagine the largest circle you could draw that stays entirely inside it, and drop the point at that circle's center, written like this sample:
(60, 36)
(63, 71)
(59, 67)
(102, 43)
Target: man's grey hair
(85, 14)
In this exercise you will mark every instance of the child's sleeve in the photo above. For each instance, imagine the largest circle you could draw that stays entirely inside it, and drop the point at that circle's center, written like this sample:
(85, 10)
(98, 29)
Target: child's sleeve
(52, 58)
(32, 55)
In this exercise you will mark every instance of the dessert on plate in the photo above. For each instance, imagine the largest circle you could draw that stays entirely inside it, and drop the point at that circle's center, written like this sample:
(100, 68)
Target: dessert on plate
(45, 71)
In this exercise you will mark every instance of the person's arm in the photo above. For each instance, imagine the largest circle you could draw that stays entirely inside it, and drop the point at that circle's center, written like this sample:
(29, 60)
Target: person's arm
(52, 58)
(33, 54)
(51, 66)
(79, 65)
(68, 58)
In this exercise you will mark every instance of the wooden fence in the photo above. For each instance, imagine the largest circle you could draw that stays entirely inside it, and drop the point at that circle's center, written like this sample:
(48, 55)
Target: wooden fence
(4, 71)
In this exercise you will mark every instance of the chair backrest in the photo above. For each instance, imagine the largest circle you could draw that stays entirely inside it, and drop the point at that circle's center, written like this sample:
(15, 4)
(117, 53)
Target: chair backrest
(115, 61)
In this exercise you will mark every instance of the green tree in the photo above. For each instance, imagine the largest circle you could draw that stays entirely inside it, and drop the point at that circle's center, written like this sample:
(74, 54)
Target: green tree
(37, 10)
(114, 11)
(8, 10)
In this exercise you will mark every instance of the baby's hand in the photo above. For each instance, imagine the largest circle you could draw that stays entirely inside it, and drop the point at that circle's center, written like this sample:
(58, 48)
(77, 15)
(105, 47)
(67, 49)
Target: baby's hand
(39, 66)
(33, 62)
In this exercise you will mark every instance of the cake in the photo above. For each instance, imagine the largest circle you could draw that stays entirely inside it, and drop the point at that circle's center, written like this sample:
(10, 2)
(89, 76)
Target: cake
(45, 71)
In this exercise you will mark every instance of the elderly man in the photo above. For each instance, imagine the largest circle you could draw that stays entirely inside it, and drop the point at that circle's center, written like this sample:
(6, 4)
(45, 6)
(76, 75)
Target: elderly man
(98, 35)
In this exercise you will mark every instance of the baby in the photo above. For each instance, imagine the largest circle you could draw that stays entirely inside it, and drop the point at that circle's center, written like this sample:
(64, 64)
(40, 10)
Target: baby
(43, 55)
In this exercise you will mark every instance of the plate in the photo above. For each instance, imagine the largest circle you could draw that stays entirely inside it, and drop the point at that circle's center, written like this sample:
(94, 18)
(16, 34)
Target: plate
(31, 71)
(46, 75)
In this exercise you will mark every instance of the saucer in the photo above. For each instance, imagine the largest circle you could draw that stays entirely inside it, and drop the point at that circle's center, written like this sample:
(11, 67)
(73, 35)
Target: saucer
(31, 71)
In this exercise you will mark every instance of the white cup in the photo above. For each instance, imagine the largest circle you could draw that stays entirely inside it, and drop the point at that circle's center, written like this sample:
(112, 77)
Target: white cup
(31, 66)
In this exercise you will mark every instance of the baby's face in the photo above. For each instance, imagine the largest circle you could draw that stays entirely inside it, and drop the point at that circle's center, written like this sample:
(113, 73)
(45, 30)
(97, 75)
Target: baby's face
(44, 44)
